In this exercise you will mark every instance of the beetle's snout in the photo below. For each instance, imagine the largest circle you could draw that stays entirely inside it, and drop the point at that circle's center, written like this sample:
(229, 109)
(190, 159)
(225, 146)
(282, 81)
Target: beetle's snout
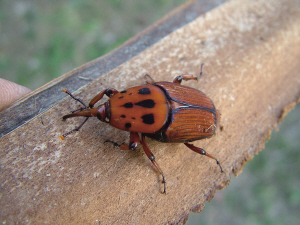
(84, 113)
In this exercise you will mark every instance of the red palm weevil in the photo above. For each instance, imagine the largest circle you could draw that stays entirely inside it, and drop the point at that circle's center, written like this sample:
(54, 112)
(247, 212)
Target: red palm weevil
(164, 111)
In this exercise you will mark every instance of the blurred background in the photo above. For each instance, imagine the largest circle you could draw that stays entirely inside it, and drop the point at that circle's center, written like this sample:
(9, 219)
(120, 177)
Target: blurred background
(41, 40)
(268, 189)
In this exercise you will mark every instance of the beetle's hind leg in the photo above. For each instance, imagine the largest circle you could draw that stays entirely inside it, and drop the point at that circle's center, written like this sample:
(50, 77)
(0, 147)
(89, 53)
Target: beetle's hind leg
(202, 152)
(152, 158)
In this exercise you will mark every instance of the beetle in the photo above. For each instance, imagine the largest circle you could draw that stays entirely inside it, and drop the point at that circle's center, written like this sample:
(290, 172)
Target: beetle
(164, 111)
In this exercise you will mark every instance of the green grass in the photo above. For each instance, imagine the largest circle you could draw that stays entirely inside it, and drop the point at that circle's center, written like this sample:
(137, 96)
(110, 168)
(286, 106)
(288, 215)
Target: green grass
(42, 40)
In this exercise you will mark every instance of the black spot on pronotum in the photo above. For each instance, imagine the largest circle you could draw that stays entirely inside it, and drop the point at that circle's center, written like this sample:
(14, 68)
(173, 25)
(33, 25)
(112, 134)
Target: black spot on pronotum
(121, 97)
(148, 103)
(127, 125)
(123, 116)
(123, 92)
(144, 91)
(128, 105)
(148, 118)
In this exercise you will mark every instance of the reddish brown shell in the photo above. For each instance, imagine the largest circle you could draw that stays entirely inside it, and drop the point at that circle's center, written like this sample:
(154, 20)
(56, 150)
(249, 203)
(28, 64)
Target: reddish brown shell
(190, 124)
(142, 109)
(193, 115)
(186, 95)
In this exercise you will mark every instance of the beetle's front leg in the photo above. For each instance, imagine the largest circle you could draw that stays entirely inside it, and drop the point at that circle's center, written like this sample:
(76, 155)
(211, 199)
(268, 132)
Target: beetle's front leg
(133, 142)
(109, 92)
(152, 158)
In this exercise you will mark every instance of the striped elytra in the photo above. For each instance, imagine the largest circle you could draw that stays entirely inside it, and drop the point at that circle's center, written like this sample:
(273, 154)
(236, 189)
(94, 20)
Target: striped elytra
(193, 116)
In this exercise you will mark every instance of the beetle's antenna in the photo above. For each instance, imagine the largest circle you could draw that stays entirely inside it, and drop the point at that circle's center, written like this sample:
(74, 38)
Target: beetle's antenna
(76, 99)
(62, 137)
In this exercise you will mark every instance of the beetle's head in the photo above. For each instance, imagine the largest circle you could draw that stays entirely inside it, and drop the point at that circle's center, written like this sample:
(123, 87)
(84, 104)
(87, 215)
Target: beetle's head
(99, 112)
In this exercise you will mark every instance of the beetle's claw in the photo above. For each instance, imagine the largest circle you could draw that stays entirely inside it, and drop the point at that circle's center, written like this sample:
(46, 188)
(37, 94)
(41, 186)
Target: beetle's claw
(114, 143)
(165, 191)
(220, 166)
(164, 182)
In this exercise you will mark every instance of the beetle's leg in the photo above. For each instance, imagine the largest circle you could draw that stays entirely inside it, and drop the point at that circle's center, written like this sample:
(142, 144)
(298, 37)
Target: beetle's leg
(152, 158)
(133, 142)
(178, 79)
(149, 79)
(202, 152)
(62, 137)
(109, 92)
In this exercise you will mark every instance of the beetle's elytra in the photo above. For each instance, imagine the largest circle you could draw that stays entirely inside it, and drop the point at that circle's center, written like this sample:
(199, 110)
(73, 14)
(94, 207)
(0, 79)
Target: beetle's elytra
(164, 111)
